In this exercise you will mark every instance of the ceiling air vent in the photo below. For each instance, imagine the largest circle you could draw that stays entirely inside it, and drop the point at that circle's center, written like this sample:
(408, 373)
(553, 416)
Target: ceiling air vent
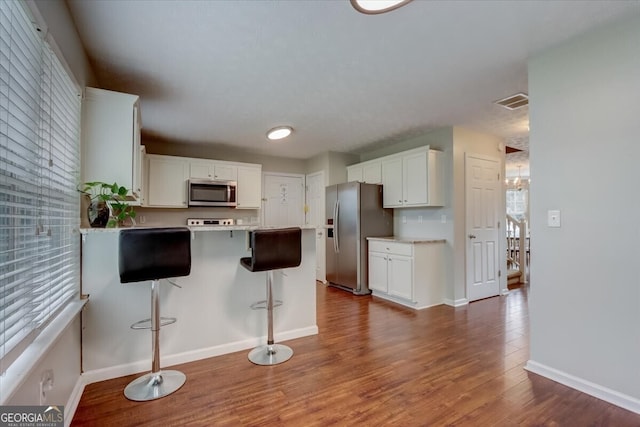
(514, 102)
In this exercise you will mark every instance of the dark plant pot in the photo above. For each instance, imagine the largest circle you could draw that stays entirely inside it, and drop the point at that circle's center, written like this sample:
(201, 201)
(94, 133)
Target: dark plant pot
(98, 214)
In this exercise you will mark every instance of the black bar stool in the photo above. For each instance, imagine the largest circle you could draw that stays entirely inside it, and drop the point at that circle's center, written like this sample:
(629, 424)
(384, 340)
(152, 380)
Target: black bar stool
(272, 250)
(154, 254)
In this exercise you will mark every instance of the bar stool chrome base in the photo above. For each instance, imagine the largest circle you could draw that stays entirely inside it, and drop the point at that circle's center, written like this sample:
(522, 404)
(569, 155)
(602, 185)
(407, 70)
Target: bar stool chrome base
(154, 385)
(273, 354)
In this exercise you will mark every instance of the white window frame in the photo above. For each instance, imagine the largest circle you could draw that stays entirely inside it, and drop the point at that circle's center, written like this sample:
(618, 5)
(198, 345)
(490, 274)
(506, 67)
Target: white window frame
(39, 205)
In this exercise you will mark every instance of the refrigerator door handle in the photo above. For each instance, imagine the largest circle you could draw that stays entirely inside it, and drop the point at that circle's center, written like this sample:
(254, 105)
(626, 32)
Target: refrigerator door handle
(336, 225)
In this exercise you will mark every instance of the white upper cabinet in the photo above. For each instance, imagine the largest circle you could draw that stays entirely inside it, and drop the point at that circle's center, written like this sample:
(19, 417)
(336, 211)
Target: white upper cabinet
(167, 178)
(392, 194)
(369, 172)
(212, 169)
(111, 150)
(167, 181)
(354, 173)
(413, 178)
(249, 191)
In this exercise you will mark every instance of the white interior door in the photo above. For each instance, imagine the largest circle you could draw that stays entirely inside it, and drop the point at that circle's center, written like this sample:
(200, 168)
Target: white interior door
(482, 212)
(283, 201)
(315, 212)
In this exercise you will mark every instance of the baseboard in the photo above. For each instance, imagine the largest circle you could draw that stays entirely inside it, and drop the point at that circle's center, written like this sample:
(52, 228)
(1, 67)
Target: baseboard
(456, 303)
(96, 375)
(402, 301)
(73, 402)
(616, 398)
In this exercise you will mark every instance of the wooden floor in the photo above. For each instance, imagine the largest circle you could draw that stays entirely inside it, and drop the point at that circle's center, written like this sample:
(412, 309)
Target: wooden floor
(373, 363)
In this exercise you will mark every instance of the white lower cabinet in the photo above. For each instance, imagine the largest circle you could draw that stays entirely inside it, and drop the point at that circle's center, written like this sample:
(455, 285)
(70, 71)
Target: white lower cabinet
(378, 271)
(409, 273)
(400, 276)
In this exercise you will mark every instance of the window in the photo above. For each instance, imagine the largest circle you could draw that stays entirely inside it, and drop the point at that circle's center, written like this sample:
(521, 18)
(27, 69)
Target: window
(39, 171)
(517, 200)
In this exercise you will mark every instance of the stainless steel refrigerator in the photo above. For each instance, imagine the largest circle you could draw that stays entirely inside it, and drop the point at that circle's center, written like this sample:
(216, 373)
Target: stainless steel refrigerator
(354, 212)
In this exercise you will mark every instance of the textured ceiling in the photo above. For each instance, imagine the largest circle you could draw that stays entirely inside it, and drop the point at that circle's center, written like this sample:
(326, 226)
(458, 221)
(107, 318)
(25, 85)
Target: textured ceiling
(223, 72)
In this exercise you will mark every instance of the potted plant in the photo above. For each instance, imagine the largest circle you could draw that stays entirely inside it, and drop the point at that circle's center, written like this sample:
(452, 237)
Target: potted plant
(108, 206)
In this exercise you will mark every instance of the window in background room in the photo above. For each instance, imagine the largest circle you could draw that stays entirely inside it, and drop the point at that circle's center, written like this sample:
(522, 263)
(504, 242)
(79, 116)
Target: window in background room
(517, 200)
(39, 171)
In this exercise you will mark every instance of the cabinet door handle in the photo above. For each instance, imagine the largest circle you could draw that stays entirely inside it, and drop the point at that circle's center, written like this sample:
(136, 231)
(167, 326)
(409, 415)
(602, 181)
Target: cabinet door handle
(472, 236)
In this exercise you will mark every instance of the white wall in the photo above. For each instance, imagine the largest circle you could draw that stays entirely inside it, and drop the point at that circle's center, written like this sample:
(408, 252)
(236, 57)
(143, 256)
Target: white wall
(585, 290)
(64, 360)
(54, 17)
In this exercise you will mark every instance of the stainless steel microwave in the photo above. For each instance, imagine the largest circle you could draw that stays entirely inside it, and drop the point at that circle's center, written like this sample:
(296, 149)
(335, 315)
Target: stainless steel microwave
(206, 192)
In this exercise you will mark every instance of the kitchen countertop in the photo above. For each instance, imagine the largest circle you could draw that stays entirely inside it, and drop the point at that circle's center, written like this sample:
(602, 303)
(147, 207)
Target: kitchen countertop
(194, 228)
(407, 239)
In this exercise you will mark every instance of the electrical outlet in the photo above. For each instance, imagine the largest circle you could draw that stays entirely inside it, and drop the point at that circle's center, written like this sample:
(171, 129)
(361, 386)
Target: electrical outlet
(142, 219)
(404, 219)
(46, 384)
(419, 219)
(443, 218)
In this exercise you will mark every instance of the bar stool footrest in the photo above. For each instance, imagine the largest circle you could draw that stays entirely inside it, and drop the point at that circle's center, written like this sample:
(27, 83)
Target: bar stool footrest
(262, 305)
(146, 323)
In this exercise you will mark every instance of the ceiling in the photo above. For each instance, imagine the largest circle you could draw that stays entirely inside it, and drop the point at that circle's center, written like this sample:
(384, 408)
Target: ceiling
(224, 72)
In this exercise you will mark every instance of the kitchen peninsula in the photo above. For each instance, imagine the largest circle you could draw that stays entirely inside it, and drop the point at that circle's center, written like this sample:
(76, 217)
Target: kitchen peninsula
(212, 307)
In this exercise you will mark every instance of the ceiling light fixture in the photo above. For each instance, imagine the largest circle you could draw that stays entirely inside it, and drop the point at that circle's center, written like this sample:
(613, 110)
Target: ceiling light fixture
(373, 7)
(279, 132)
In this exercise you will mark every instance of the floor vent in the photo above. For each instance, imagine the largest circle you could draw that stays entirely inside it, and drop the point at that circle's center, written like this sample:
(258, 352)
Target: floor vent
(514, 102)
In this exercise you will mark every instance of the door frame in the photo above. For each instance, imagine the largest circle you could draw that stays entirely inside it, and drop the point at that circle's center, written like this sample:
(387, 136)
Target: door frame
(500, 206)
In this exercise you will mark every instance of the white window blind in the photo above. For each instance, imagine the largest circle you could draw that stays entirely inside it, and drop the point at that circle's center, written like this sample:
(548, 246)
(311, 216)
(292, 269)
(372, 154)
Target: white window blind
(39, 171)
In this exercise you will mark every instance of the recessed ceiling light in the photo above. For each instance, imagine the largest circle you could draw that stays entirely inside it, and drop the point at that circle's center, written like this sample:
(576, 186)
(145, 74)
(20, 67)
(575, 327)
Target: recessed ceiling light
(279, 132)
(377, 6)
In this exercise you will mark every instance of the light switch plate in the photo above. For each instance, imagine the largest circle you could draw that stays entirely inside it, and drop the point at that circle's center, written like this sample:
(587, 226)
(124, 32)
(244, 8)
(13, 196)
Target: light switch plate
(553, 218)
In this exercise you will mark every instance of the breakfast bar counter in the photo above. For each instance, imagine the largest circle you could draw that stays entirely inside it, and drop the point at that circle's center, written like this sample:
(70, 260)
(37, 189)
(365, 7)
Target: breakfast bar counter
(212, 306)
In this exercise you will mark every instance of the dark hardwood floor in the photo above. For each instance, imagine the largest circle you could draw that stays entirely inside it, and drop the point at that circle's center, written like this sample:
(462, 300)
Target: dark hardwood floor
(373, 363)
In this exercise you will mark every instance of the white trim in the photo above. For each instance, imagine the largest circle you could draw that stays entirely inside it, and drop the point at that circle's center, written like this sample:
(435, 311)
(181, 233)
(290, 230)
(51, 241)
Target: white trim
(456, 303)
(103, 374)
(73, 401)
(608, 395)
(17, 373)
(402, 301)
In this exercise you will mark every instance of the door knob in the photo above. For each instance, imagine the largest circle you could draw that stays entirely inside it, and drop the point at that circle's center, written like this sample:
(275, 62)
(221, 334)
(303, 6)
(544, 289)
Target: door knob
(472, 236)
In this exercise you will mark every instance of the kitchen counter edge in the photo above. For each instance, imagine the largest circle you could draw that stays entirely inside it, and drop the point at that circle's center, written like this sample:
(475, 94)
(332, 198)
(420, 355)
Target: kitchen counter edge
(407, 239)
(192, 228)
